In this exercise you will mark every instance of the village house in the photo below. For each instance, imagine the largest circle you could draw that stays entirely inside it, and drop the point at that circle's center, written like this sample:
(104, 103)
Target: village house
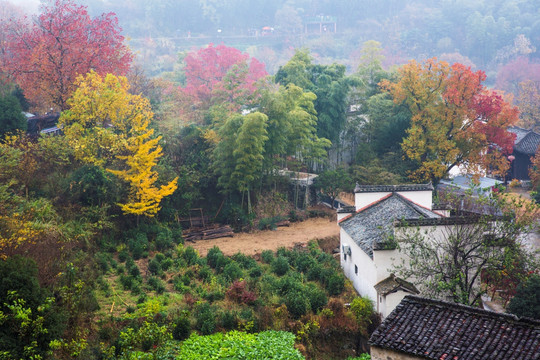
(370, 230)
(525, 146)
(421, 328)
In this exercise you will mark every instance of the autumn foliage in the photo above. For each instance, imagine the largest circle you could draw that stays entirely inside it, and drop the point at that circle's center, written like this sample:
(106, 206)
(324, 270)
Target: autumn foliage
(218, 75)
(455, 121)
(105, 122)
(63, 42)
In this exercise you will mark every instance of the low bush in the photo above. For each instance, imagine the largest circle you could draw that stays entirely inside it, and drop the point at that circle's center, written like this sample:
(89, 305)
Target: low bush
(229, 320)
(182, 327)
(232, 271)
(267, 256)
(190, 255)
(205, 318)
(102, 260)
(270, 223)
(134, 271)
(255, 272)
(205, 273)
(335, 285)
(156, 284)
(280, 265)
(123, 255)
(221, 262)
(154, 267)
(126, 281)
(167, 264)
(164, 239)
(214, 254)
(297, 303)
(244, 261)
(238, 292)
(317, 297)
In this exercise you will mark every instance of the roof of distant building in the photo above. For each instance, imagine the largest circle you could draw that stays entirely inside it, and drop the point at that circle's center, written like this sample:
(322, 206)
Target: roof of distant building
(466, 182)
(434, 329)
(393, 188)
(41, 122)
(372, 226)
(527, 141)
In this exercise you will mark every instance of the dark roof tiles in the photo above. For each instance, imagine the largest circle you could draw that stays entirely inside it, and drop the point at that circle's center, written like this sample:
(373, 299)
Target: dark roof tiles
(372, 226)
(393, 188)
(393, 283)
(527, 141)
(434, 329)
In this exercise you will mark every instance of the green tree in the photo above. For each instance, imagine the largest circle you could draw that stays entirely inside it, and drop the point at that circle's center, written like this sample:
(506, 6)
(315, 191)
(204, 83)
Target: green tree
(328, 83)
(224, 161)
(332, 182)
(11, 115)
(526, 302)
(29, 319)
(450, 264)
(248, 152)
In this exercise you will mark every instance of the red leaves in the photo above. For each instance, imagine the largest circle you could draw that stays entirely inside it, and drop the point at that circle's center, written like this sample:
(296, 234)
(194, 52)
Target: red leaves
(220, 74)
(455, 121)
(238, 292)
(61, 44)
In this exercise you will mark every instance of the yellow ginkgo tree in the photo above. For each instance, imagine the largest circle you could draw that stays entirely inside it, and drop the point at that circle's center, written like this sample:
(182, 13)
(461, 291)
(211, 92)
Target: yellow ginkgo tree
(144, 197)
(106, 123)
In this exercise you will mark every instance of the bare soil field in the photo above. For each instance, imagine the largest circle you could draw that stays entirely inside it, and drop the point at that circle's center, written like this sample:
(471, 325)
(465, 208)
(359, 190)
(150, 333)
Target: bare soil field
(255, 242)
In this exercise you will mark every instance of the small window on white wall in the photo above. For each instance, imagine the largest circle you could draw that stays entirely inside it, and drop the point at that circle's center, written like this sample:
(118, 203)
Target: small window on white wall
(356, 269)
(346, 250)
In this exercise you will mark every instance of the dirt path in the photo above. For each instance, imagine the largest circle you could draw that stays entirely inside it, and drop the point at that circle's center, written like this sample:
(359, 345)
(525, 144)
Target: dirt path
(256, 242)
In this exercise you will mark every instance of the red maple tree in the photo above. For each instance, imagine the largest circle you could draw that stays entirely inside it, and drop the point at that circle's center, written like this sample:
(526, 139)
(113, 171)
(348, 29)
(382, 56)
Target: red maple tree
(219, 75)
(64, 41)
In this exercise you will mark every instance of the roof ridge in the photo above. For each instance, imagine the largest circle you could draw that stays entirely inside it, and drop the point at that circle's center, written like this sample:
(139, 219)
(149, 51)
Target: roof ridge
(470, 309)
(393, 188)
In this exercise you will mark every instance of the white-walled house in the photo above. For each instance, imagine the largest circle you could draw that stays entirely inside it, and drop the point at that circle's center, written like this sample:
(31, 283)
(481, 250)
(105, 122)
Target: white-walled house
(367, 238)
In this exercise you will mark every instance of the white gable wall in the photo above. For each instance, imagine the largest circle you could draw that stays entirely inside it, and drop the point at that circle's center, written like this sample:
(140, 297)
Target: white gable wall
(362, 199)
(423, 198)
(366, 277)
(390, 301)
(384, 261)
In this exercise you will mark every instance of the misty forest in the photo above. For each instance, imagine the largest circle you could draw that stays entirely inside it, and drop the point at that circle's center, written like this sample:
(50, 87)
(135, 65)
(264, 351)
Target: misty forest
(135, 133)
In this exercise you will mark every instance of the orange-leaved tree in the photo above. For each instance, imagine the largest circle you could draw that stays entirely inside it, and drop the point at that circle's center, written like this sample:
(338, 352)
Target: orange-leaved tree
(456, 120)
(106, 123)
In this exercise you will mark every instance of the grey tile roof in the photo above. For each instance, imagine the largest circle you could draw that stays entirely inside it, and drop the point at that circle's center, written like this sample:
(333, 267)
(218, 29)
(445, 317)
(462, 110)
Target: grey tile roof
(527, 141)
(433, 329)
(372, 226)
(393, 188)
(346, 210)
(393, 283)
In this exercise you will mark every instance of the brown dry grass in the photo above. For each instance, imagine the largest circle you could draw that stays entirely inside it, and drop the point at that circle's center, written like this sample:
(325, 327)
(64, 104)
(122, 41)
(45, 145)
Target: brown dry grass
(255, 242)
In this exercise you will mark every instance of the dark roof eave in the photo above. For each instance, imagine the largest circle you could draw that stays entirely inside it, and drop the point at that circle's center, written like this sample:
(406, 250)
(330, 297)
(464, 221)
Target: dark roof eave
(393, 188)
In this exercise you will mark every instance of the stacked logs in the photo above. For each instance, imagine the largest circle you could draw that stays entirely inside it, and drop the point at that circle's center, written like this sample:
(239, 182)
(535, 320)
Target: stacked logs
(207, 233)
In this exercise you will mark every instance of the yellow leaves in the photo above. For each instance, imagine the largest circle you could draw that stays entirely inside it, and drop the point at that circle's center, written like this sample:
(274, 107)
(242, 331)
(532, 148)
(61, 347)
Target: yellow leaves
(143, 154)
(16, 229)
(105, 122)
(102, 115)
